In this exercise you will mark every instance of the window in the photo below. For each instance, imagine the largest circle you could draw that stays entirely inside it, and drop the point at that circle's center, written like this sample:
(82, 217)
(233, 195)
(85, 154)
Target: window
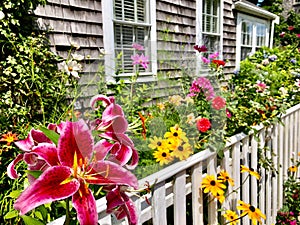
(211, 25)
(131, 25)
(126, 22)
(252, 34)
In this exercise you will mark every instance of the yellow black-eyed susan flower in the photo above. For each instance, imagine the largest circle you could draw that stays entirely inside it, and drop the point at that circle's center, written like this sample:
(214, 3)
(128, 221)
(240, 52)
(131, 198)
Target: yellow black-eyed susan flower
(156, 143)
(253, 213)
(231, 217)
(293, 169)
(224, 176)
(182, 151)
(251, 171)
(163, 156)
(212, 185)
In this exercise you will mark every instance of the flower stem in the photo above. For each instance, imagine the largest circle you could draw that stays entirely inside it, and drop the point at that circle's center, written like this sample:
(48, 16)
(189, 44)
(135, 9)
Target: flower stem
(67, 220)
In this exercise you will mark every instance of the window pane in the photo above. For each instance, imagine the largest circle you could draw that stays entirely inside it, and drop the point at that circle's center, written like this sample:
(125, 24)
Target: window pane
(245, 52)
(127, 34)
(261, 35)
(247, 33)
(210, 16)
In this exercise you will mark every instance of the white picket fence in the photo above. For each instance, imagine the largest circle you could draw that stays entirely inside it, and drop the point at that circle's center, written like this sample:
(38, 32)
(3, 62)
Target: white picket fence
(177, 189)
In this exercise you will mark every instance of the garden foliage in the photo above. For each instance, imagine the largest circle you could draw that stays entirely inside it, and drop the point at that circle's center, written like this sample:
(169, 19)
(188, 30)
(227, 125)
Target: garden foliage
(207, 109)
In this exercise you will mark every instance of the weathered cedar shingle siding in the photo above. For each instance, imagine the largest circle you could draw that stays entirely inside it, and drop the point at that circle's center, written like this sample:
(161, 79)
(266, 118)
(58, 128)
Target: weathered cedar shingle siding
(79, 21)
(229, 37)
(176, 33)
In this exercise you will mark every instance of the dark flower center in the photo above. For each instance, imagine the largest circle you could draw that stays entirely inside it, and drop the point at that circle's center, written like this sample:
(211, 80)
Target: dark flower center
(231, 217)
(175, 134)
(158, 143)
(163, 154)
(252, 208)
(213, 183)
(180, 148)
(252, 170)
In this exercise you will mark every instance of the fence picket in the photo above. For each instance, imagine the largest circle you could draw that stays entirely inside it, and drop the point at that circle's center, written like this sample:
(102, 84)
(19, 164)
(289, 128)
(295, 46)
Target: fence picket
(197, 195)
(212, 206)
(245, 178)
(159, 213)
(180, 198)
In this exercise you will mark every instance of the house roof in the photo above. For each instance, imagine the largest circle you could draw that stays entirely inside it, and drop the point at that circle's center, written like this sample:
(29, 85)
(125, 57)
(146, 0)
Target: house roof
(250, 8)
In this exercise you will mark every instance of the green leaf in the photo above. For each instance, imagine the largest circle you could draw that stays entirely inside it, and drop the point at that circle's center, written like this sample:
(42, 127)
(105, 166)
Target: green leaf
(31, 221)
(11, 214)
(14, 194)
(34, 173)
(52, 135)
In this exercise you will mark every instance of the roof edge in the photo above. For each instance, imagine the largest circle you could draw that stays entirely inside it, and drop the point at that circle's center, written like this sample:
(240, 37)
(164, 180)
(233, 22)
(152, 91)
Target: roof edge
(255, 10)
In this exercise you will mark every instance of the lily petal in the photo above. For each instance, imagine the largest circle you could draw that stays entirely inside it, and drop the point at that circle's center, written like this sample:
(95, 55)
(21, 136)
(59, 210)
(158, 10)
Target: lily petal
(48, 152)
(75, 137)
(34, 137)
(11, 171)
(49, 187)
(97, 98)
(121, 205)
(109, 173)
(101, 149)
(85, 205)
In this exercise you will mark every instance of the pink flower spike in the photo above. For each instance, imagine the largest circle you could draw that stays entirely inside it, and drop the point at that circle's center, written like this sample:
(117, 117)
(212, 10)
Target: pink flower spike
(138, 46)
(214, 55)
(140, 60)
(205, 60)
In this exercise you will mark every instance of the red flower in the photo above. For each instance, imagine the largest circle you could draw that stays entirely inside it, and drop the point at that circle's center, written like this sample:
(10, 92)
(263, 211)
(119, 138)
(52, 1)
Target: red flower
(218, 103)
(290, 28)
(218, 62)
(203, 124)
(200, 48)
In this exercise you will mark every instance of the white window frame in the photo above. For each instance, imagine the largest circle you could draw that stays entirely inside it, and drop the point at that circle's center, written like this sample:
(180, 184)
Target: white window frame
(254, 21)
(109, 45)
(200, 33)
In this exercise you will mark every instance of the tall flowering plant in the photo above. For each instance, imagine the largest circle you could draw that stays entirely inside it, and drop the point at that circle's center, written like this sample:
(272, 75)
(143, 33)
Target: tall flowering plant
(210, 105)
(65, 160)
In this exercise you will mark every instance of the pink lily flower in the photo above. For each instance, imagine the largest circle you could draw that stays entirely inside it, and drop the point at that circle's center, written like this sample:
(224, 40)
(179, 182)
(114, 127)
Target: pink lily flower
(113, 127)
(121, 205)
(72, 168)
(27, 145)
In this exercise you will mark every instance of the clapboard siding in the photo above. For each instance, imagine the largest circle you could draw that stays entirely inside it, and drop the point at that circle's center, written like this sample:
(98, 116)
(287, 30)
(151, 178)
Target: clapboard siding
(229, 37)
(176, 34)
(80, 22)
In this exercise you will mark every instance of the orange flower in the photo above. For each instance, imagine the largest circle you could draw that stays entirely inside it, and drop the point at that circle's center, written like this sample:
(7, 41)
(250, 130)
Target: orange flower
(144, 131)
(9, 138)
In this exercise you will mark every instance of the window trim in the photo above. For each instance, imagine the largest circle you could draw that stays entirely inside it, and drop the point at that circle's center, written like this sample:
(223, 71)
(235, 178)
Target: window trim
(254, 20)
(108, 35)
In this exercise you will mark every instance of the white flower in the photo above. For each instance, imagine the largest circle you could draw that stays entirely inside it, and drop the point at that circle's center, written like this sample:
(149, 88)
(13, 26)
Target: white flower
(297, 83)
(71, 68)
(77, 57)
(74, 44)
(283, 91)
(2, 15)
